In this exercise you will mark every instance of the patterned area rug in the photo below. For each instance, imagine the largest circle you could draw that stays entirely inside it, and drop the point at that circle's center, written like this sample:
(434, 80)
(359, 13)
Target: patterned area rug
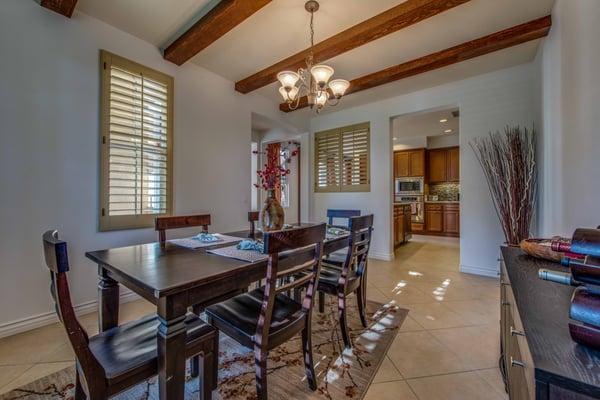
(342, 374)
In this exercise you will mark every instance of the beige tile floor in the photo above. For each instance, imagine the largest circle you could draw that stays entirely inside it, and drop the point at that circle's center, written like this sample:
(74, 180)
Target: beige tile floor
(446, 349)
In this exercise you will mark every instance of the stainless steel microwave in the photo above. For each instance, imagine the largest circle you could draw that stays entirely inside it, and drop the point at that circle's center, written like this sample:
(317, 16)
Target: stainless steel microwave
(408, 185)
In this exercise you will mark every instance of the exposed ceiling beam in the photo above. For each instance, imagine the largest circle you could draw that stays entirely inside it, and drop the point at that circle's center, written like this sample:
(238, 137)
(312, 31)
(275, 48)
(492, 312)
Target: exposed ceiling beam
(64, 7)
(225, 16)
(390, 21)
(526, 32)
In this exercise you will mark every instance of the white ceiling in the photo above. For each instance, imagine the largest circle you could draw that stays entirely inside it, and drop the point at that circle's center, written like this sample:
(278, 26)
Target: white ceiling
(425, 124)
(280, 29)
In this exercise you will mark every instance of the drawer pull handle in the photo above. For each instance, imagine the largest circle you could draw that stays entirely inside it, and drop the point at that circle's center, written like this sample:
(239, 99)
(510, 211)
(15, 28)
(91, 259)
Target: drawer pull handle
(514, 332)
(505, 303)
(516, 363)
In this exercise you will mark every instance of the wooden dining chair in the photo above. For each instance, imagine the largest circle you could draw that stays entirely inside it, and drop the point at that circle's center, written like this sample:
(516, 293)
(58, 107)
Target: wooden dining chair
(341, 214)
(124, 356)
(266, 318)
(162, 224)
(253, 219)
(351, 277)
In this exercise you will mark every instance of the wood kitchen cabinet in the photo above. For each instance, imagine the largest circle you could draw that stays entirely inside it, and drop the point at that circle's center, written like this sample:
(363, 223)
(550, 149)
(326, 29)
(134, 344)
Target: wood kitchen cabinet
(442, 219)
(402, 224)
(451, 218)
(443, 165)
(409, 163)
(434, 218)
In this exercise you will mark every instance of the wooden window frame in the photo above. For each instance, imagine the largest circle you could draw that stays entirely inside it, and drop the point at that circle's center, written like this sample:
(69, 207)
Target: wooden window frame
(121, 222)
(340, 187)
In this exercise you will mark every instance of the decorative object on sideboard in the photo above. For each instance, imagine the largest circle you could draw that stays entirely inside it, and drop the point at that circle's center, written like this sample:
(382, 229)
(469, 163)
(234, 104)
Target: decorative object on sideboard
(509, 164)
(584, 325)
(541, 248)
(272, 216)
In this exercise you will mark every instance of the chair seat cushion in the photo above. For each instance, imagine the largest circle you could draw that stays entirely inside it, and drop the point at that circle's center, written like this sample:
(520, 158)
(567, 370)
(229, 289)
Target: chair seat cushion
(330, 276)
(338, 258)
(128, 348)
(238, 316)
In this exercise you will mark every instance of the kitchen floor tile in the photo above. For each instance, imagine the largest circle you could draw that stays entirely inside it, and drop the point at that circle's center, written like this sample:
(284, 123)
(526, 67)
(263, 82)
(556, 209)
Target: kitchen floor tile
(460, 386)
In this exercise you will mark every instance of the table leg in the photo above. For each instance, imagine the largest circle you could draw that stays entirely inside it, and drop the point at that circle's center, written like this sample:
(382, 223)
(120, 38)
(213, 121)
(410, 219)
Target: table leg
(171, 340)
(108, 294)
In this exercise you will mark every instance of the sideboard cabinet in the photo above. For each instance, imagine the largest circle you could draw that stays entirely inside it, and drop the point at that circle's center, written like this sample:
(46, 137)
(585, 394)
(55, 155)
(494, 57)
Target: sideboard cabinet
(538, 359)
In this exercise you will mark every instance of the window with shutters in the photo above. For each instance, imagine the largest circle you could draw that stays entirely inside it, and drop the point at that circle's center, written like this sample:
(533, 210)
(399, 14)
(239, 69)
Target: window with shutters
(342, 159)
(137, 142)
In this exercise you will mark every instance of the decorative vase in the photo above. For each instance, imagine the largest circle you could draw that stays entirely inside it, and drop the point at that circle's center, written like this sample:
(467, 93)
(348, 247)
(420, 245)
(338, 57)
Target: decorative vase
(271, 215)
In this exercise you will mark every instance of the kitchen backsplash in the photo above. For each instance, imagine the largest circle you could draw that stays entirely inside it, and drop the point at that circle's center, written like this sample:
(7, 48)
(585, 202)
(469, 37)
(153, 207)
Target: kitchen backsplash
(445, 191)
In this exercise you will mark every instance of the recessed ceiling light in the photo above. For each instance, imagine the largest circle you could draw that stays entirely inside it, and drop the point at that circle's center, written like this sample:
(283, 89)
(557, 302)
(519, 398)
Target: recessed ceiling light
(448, 131)
(443, 120)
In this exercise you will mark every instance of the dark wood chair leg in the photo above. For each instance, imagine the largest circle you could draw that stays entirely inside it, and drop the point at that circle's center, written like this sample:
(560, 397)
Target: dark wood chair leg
(360, 299)
(195, 361)
(260, 360)
(342, 310)
(79, 392)
(309, 364)
(213, 370)
(206, 382)
(321, 302)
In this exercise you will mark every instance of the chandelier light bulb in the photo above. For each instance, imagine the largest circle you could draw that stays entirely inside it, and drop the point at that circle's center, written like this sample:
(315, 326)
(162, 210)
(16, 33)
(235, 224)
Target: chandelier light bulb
(289, 95)
(288, 79)
(322, 73)
(321, 99)
(338, 87)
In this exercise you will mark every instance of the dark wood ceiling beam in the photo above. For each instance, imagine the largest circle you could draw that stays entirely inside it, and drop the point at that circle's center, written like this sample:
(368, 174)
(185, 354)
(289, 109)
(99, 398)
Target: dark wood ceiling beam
(64, 7)
(225, 16)
(392, 20)
(516, 35)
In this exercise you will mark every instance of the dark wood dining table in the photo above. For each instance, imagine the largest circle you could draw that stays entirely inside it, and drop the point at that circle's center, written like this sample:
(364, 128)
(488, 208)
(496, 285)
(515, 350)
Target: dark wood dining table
(174, 278)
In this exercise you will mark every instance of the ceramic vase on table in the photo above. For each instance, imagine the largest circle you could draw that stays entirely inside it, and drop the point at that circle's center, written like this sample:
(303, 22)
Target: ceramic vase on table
(271, 215)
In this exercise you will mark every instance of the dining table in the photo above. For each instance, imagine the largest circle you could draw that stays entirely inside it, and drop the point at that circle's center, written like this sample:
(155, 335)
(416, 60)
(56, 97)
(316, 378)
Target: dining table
(174, 278)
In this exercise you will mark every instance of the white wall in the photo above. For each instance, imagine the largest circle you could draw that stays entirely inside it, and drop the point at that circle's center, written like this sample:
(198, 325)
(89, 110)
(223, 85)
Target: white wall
(49, 156)
(570, 142)
(487, 102)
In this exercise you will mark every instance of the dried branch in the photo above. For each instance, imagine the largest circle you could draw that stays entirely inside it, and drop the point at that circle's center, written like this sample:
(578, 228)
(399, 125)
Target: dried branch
(509, 165)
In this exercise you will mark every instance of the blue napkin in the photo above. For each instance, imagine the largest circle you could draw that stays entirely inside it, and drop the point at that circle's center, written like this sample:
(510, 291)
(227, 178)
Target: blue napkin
(255, 245)
(206, 237)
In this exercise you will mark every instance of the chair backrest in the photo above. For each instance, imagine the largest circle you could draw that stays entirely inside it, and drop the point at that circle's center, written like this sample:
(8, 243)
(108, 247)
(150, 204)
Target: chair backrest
(57, 261)
(303, 267)
(361, 229)
(162, 224)
(346, 214)
(253, 218)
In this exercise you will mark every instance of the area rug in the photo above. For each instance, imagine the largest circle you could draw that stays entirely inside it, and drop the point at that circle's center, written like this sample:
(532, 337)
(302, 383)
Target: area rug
(341, 374)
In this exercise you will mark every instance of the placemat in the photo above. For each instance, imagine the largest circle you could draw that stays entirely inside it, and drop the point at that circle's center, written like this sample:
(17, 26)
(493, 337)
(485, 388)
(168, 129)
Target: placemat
(234, 252)
(192, 243)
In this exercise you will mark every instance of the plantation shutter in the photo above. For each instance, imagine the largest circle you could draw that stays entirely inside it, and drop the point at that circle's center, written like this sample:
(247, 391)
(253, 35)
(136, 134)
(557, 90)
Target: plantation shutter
(342, 159)
(327, 161)
(355, 158)
(136, 144)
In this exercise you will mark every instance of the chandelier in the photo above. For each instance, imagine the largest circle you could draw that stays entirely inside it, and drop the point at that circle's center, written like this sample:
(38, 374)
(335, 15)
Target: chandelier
(312, 81)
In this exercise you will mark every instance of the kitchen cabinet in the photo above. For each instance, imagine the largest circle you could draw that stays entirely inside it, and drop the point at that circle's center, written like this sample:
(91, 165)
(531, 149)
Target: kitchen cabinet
(409, 163)
(402, 224)
(443, 165)
(442, 219)
(434, 218)
(453, 159)
(451, 218)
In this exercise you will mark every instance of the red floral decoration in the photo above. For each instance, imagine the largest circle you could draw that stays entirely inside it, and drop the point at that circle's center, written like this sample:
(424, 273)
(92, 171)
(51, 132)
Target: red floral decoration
(271, 173)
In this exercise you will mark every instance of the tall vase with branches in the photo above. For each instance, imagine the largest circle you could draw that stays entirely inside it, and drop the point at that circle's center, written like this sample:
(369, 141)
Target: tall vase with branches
(509, 164)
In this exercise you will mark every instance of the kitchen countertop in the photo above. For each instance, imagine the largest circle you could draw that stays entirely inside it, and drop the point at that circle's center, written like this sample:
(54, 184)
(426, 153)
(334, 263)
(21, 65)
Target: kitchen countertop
(442, 201)
(402, 203)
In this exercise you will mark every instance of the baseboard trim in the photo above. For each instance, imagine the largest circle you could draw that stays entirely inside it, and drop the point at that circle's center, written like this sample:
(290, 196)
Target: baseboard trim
(381, 256)
(494, 273)
(37, 321)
